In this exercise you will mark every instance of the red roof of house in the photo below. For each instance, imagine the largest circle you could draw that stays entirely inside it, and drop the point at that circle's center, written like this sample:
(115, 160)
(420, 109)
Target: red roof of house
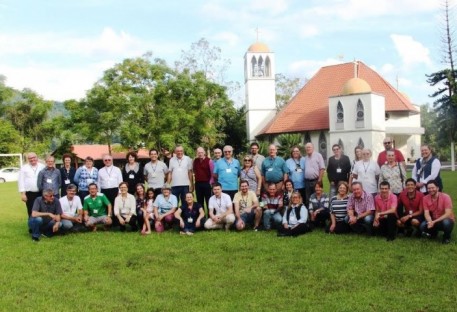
(308, 110)
(96, 151)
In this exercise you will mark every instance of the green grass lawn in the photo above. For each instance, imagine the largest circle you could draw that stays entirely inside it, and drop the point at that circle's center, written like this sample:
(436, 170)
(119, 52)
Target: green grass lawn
(218, 271)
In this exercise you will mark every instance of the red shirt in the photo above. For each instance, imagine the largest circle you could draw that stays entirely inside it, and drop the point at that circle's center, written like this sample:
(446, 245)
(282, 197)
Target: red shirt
(410, 204)
(382, 204)
(382, 157)
(437, 207)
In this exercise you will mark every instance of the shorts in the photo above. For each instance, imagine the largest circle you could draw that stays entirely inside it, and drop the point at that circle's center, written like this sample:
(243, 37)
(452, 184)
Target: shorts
(248, 217)
(97, 220)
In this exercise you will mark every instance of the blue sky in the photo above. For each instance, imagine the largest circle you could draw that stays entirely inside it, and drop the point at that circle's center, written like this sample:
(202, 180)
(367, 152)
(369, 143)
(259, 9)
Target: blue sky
(60, 48)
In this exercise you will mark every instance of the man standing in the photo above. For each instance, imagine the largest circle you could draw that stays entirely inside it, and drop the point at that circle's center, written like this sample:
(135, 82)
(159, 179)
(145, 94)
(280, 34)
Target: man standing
(220, 210)
(314, 170)
(203, 168)
(217, 154)
(388, 145)
(109, 178)
(256, 157)
(360, 209)
(49, 177)
(247, 209)
(226, 172)
(28, 181)
(427, 168)
(296, 165)
(385, 219)
(155, 172)
(45, 216)
(274, 170)
(180, 175)
(72, 210)
(338, 168)
(367, 172)
(97, 209)
(438, 212)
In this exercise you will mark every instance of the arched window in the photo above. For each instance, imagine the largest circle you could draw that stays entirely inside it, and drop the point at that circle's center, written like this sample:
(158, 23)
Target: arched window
(360, 111)
(307, 137)
(323, 145)
(360, 143)
(253, 67)
(267, 67)
(339, 113)
(261, 67)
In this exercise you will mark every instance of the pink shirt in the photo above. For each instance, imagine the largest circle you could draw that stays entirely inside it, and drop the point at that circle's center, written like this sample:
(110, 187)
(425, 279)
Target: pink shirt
(437, 208)
(382, 204)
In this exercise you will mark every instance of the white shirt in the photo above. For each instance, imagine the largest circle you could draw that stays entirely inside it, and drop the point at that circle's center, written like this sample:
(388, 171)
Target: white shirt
(180, 170)
(366, 172)
(70, 208)
(28, 178)
(109, 177)
(221, 204)
(125, 206)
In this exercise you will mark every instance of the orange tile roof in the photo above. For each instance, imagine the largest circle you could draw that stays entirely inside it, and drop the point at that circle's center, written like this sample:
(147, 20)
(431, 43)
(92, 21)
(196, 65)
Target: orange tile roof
(308, 110)
(96, 151)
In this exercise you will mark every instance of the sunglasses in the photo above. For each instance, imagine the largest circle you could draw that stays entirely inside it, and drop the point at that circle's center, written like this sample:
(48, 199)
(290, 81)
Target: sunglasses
(247, 160)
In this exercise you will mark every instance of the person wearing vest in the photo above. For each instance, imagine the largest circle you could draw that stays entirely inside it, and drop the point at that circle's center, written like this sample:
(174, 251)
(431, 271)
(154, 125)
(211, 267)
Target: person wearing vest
(295, 218)
(427, 168)
(203, 167)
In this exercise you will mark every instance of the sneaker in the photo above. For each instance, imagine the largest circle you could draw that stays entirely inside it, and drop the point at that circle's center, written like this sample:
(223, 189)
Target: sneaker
(189, 233)
(182, 232)
(35, 239)
(446, 241)
(426, 235)
(45, 235)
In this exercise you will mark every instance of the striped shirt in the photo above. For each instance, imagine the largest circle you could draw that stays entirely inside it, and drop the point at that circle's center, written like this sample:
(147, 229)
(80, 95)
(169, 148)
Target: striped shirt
(338, 207)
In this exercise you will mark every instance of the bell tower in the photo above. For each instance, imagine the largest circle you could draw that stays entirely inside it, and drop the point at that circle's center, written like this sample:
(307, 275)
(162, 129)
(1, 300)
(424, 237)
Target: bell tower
(259, 83)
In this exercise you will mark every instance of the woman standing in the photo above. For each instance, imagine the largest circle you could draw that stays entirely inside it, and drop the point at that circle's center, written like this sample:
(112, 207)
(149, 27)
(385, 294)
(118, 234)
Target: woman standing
(338, 210)
(132, 173)
(295, 218)
(394, 173)
(125, 208)
(67, 174)
(251, 173)
(84, 176)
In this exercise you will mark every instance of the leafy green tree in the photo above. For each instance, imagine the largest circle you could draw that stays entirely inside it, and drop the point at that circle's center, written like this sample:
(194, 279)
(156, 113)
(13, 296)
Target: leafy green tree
(286, 89)
(286, 141)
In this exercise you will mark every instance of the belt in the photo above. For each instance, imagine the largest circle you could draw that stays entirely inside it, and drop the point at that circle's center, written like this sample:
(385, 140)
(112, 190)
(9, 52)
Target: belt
(310, 180)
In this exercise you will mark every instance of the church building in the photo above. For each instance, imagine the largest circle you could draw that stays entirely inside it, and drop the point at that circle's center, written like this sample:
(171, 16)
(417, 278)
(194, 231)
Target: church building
(346, 103)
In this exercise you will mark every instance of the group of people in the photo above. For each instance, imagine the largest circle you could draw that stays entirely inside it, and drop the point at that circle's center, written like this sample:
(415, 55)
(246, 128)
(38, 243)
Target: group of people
(262, 193)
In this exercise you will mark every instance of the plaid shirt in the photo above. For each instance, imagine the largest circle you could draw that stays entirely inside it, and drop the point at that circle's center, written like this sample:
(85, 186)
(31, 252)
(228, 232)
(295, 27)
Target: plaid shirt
(82, 175)
(362, 204)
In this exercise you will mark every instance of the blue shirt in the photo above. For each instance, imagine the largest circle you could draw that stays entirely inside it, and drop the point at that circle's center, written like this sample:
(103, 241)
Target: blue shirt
(274, 169)
(227, 173)
(297, 172)
(164, 205)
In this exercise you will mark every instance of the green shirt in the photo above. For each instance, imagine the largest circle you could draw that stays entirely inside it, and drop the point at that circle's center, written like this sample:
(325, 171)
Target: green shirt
(96, 206)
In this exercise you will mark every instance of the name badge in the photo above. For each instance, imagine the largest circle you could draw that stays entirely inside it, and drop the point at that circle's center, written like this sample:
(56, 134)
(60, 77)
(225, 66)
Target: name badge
(299, 170)
(124, 211)
(228, 170)
(67, 181)
(190, 220)
(270, 169)
(95, 210)
(338, 170)
(131, 176)
(48, 180)
(154, 175)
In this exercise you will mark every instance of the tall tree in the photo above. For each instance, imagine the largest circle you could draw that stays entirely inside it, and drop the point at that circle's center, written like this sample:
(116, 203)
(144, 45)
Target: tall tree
(446, 95)
(286, 89)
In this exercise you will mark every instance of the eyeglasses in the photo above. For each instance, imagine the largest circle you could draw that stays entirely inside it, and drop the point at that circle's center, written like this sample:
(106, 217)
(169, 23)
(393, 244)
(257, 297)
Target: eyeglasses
(335, 149)
(387, 142)
(107, 159)
(247, 160)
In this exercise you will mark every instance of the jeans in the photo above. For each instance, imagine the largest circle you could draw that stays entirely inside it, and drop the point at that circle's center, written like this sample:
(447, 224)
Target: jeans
(365, 224)
(271, 215)
(445, 225)
(180, 192)
(39, 224)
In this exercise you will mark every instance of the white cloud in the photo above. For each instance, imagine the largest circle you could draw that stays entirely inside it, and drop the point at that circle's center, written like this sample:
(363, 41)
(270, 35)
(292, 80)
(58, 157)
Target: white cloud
(411, 52)
(226, 37)
(307, 68)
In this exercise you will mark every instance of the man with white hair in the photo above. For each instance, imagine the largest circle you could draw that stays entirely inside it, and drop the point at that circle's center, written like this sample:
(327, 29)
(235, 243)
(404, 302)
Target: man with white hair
(366, 172)
(180, 174)
(314, 170)
(203, 168)
(27, 181)
(49, 177)
(226, 172)
(274, 169)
